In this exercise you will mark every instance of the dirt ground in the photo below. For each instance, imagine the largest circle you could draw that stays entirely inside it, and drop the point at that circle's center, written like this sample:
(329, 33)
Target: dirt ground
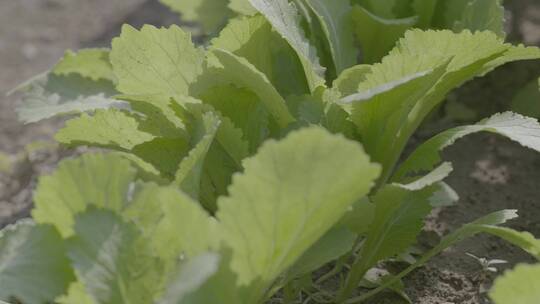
(490, 173)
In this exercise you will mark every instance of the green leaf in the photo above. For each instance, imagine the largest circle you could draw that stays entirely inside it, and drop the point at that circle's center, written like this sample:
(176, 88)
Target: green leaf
(349, 80)
(243, 74)
(112, 261)
(527, 100)
(193, 274)
(113, 129)
(523, 130)
(381, 112)
(188, 176)
(224, 154)
(382, 8)
(399, 217)
(89, 63)
(286, 21)
(243, 7)
(50, 95)
(97, 180)
(481, 15)
(335, 18)
(425, 10)
(290, 194)
(254, 39)
(159, 112)
(466, 231)
(334, 244)
(155, 61)
(377, 35)
(34, 268)
(359, 217)
(163, 154)
(447, 59)
(244, 109)
(519, 285)
(451, 12)
(211, 14)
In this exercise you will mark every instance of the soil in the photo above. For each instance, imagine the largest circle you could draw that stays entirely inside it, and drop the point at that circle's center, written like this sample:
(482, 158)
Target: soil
(490, 173)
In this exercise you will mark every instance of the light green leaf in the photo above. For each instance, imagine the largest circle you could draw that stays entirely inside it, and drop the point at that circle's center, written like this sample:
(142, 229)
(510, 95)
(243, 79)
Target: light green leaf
(519, 285)
(290, 194)
(222, 287)
(515, 53)
(243, 74)
(92, 180)
(523, 240)
(90, 63)
(377, 36)
(152, 138)
(193, 274)
(155, 61)
(34, 268)
(145, 170)
(75, 295)
(211, 14)
(114, 129)
(188, 176)
(50, 95)
(286, 21)
(111, 260)
(254, 39)
(173, 223)
(335, 18)
(466, 231)
(527, 100)
(523, 130)
(433, 177)
(444, 196)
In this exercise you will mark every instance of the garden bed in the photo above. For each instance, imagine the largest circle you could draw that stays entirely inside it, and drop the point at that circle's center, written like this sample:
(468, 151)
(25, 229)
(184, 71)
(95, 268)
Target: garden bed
(490, 173)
